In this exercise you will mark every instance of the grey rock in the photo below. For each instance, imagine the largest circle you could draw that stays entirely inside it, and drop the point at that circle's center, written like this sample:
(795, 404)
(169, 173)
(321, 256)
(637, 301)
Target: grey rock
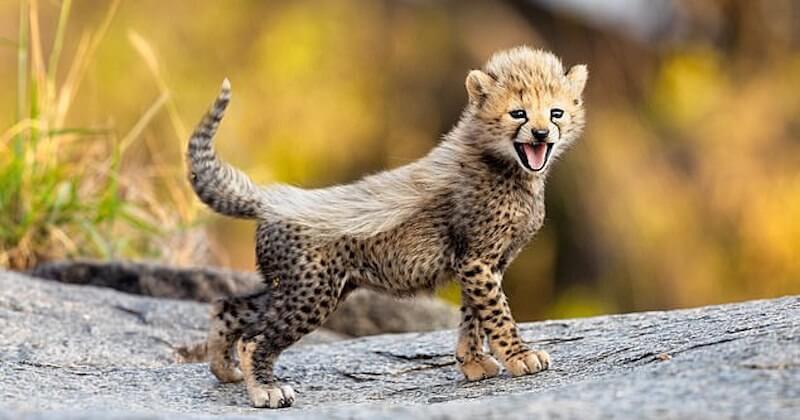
(203, 284)
(363, 313)
(71, 351)
(369, 313)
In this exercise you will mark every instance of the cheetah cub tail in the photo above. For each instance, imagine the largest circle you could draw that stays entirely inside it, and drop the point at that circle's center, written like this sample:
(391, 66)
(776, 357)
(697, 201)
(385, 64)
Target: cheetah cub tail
(220, 186)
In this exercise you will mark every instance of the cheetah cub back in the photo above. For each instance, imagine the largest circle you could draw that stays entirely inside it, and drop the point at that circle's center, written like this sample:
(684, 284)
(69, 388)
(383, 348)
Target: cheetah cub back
(463, 212)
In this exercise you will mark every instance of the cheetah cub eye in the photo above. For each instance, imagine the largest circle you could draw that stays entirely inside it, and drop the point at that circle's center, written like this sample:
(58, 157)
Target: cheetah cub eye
(519, 114)
(556, 113)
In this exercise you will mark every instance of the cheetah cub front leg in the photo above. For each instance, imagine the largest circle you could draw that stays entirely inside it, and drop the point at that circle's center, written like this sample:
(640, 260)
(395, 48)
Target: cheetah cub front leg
(473, 361)
(482, 293)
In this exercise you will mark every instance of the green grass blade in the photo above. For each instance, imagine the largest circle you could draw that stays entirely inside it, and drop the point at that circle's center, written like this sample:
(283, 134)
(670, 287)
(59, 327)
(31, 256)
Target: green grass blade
(102, 245)
(138, 222)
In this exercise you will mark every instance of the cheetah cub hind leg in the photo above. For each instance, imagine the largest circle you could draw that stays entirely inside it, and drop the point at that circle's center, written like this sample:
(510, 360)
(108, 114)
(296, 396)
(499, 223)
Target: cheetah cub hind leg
(262, 395)
(194, 352)
(223, 333)
(271, 396)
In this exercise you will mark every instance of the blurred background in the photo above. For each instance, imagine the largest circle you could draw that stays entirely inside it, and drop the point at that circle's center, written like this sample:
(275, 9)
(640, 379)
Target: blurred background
(684, 190)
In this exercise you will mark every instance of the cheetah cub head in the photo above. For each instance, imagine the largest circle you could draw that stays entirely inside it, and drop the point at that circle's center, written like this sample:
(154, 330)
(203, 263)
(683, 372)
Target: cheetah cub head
(525, 107)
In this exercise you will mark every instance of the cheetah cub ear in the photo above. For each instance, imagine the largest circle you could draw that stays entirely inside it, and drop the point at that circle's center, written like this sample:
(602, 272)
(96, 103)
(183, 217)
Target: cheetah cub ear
(478, 85)
(577, 76)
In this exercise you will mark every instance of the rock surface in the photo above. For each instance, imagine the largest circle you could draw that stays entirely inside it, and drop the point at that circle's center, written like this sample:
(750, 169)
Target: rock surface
(363, 313)
(71, 351)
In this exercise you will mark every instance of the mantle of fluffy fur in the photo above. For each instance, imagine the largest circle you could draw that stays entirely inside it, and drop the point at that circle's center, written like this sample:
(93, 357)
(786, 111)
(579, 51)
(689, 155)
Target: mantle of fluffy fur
(378, 202)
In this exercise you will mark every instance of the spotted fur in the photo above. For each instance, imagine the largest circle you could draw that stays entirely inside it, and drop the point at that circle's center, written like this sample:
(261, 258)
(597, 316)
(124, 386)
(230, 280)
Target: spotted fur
(462, 212)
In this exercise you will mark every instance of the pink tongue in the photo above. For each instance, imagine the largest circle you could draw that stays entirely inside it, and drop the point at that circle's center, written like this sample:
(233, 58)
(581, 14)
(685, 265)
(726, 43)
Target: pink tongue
(535, 154)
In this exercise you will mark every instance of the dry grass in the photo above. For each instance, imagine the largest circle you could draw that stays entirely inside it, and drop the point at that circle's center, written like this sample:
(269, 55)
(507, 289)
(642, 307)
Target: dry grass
(62, 188)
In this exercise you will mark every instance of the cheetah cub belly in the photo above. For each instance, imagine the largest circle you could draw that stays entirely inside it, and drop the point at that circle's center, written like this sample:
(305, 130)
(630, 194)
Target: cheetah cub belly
(461, 212)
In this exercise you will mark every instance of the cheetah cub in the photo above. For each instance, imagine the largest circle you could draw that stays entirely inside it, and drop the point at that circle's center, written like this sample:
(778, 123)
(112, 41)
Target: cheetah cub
(462, 212)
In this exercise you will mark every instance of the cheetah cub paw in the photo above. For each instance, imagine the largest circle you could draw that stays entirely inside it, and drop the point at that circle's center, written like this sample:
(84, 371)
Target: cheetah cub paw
(226, 372)
(481, 367)
(528, 362)
(271, 396)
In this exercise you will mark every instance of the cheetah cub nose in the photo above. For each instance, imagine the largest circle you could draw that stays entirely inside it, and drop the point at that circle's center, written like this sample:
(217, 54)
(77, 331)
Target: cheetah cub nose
(541, 134)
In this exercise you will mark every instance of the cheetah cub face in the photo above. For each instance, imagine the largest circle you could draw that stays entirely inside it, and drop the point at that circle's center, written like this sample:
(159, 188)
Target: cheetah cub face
(525, 107)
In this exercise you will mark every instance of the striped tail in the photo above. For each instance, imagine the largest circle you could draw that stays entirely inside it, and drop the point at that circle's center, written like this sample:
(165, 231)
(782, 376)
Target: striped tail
(220, 186)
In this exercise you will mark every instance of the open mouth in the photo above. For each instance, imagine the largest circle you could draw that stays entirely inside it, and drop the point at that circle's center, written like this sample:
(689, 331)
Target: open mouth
(533, 155)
